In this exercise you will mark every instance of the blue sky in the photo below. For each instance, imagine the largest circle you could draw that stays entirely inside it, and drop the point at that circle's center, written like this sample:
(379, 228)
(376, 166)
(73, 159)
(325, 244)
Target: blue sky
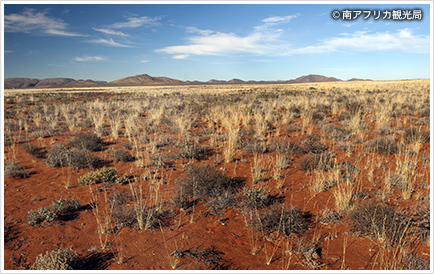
(213, 41)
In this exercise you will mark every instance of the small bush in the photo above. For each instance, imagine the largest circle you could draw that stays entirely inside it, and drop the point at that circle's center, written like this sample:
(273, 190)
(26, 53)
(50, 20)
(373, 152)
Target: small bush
(329, 217)
(316, 116)
(104, 175)
(255, 147)
(107, 174)
(414, 262)
(57, 156)
(422, 224)
(282, 220)
(88, 141)
(336, 133)
(396, 181)
(205, 181)
(88, 179)
(80, 158)
(120, 155)
(425, 112)
(122, 180)
(53, 212)
(319, 162)
(124, 215)
(65, 206)
(32, 150)
(33, 218)
(379, 221)
(193, 151)
(382, 145)
(216, 204)
(414, 135)
(56, 260)
(312, 146)
(384, 130)
(285, 147)
(13, 170)
(254, 198)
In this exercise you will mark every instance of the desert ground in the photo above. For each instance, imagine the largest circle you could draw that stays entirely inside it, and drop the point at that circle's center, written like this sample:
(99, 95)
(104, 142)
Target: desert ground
(324, 176)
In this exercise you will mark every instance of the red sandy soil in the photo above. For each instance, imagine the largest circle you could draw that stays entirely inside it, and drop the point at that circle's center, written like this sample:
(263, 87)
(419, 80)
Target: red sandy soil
(227, 234)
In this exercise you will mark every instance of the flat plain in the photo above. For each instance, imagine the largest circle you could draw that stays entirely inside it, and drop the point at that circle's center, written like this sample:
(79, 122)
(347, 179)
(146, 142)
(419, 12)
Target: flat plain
(325, 176)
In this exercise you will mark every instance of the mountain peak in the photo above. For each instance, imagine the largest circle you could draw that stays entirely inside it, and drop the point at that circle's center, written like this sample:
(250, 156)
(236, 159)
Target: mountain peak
(145, 79)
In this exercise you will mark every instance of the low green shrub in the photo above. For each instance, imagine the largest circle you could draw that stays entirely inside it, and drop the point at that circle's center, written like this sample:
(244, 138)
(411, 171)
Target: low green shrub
(103, 175)
(123, 180)
(53, 212)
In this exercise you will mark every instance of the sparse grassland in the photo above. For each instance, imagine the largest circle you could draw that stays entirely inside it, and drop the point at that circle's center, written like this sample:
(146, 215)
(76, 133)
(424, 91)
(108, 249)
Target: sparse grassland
(320, 176)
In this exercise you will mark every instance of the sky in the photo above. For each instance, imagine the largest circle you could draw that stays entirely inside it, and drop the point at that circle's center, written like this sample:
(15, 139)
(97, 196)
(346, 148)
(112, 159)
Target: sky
(205, 41)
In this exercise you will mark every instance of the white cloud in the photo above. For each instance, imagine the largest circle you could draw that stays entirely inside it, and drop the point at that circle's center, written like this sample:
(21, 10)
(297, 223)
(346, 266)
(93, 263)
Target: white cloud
(63, 33)
(348, 24)
(199, 31)
(403, 40)
(219, 44)
(144, 61)
(29, 21)
(88, 58)
(181, 56)
(273, 21)
(267, 43)
(278, 19)
(135, 22)
(9, 51)
(109, 31)
(109, 42)
(262, 41)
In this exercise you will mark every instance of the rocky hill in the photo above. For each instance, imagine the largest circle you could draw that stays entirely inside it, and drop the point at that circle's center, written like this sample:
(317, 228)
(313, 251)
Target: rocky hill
(11, 83)
(312, 78)
(145, 79)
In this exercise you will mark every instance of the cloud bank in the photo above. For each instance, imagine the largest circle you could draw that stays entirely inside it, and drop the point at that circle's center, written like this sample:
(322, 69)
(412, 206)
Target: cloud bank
(265, 40)
(31, 21)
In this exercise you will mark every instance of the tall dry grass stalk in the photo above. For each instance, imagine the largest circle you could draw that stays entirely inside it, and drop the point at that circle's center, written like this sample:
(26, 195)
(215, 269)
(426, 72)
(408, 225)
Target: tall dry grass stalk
(102, 211)
(253, 237)
(344, 252)
(115, 126)
(317, 181)
(173, 261)
(143, 216)
(146, 208)
(98, 121)
(343, 196)
(287, 254)
(257, 168)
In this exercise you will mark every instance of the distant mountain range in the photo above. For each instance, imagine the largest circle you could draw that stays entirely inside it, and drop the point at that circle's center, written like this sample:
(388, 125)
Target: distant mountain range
(146, 80)
(49, 82)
